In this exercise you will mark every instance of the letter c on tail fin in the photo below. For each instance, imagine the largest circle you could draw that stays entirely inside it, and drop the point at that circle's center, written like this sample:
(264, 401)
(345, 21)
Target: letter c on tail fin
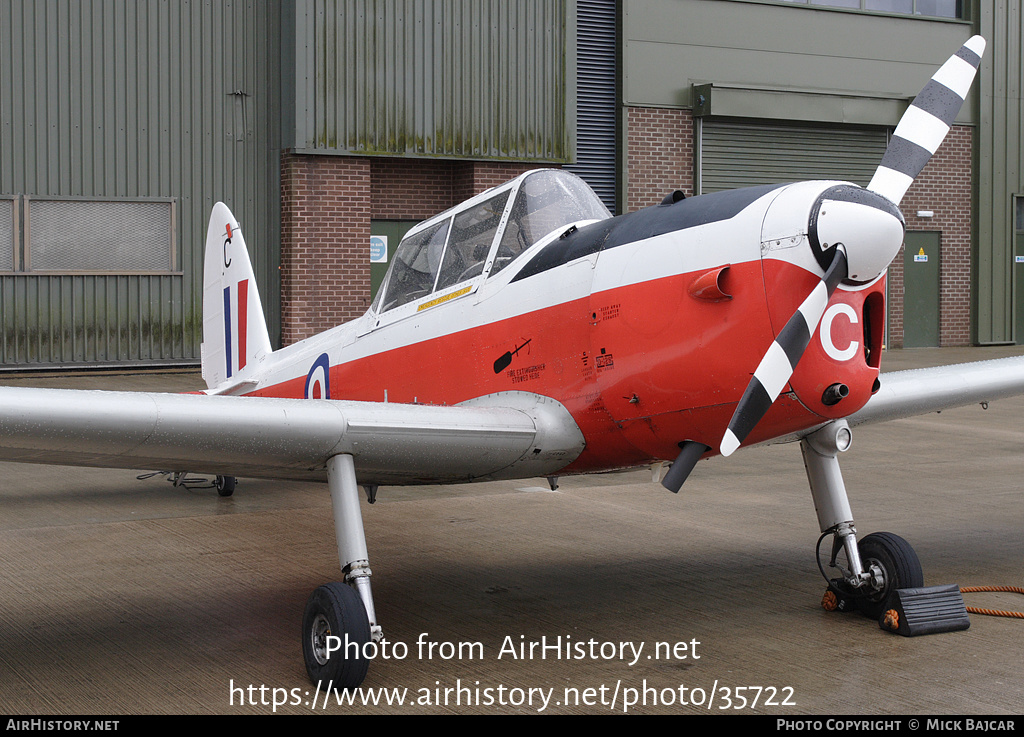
(235, 335)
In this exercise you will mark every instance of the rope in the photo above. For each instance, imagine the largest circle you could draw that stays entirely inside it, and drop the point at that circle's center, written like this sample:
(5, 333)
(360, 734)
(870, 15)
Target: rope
(993, 612)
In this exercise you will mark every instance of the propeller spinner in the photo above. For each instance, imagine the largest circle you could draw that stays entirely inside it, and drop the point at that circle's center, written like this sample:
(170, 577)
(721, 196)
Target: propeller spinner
(855, 233)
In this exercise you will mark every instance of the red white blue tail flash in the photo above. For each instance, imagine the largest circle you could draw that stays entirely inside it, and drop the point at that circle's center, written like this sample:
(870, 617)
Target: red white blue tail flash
(234, 329)
(235, 348)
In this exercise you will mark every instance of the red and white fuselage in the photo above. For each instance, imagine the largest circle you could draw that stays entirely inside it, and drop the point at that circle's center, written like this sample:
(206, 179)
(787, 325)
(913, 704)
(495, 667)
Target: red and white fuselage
(646, 328)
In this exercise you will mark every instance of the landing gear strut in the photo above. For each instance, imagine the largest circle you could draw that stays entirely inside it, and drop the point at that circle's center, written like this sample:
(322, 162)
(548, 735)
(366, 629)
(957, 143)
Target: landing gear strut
(877, 566)
(339, 620)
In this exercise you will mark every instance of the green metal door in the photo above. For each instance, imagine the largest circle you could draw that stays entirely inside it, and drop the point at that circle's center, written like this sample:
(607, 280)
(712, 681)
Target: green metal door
(921, 289)
(1018, 268)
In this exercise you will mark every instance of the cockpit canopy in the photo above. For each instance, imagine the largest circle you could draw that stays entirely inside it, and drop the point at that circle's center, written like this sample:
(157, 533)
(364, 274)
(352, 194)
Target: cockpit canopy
(483, 235)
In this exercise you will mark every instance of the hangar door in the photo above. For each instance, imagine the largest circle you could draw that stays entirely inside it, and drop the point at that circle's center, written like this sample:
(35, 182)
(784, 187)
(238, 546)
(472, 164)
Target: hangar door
(740, 153)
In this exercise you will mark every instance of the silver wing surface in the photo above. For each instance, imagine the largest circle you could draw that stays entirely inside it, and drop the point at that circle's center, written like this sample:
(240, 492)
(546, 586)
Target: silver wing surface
(921, 391)
(506, 435)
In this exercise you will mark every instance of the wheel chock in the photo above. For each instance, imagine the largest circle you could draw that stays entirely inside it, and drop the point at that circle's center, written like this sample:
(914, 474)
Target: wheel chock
(836, 599)
(925, 611)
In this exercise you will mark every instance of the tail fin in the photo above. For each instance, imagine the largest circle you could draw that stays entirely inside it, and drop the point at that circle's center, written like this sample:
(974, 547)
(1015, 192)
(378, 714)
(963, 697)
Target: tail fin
(235, 337)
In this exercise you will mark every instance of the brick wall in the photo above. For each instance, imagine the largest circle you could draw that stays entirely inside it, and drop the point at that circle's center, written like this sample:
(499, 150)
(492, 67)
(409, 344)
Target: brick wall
(409, 189)
(659, 155)
(660, 159)
(473, 177)
(325, 236)
(327, 203)
(415, 189)
(944, 187)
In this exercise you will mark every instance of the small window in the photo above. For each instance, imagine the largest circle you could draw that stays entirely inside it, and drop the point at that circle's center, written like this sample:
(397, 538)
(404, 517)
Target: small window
(927, 8)
(890, 6)
(8, 233)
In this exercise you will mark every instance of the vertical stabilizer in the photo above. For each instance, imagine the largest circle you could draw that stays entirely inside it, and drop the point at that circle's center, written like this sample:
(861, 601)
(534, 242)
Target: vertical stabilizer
(235, 337)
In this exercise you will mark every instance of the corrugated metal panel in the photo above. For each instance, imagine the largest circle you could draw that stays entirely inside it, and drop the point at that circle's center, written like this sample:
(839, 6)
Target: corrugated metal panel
(1000, 170)
(669, 45)
(121, 100)
(81, 320)
(454, 78)
(8, 234)
(596, 110)
(740, 154)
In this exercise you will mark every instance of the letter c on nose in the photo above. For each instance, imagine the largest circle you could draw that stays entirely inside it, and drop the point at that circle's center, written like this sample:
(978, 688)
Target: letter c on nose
(826, 332)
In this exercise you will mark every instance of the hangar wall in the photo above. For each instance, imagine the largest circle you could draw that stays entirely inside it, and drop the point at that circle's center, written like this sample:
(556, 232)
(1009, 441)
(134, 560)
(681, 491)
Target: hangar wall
(999, 293)
(314, 119)
(473, 78)
(397, 111)
(759, 65)
(106, 109)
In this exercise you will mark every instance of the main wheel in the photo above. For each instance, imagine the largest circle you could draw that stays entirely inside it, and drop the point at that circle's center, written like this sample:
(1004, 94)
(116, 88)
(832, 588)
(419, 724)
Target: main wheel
(898, 565)
(225, 485)
(335, 630)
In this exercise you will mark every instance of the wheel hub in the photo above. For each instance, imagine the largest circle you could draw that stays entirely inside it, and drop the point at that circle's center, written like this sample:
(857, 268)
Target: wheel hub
(877, 582)
(320, 632)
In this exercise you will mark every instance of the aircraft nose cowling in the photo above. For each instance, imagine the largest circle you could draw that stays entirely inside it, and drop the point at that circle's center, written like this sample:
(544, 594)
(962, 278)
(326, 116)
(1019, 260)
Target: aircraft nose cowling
(869, 226)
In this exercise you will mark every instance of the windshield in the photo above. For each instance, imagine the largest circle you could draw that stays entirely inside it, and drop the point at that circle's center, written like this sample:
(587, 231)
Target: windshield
(471, 239)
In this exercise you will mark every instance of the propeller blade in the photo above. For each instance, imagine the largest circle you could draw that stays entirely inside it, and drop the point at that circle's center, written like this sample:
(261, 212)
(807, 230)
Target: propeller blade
(872, 230)
(926, 122)
(778, 364)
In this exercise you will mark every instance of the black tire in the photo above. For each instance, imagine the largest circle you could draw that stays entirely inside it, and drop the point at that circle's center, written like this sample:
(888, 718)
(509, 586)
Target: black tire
(335, 610)
(225, 485)
(899, 564)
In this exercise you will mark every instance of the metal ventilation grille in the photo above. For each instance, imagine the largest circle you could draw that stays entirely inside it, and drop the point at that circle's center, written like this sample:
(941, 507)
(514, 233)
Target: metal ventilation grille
(78, 235)
(7, 235)
(596, 111)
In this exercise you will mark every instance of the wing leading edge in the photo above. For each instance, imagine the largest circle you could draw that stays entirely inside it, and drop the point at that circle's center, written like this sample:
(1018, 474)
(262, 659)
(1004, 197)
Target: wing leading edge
(922, 391)
(507, 435)
(915, 392)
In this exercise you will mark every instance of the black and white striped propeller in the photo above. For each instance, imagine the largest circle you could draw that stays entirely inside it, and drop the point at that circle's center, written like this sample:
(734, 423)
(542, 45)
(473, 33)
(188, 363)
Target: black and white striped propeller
(855, 233)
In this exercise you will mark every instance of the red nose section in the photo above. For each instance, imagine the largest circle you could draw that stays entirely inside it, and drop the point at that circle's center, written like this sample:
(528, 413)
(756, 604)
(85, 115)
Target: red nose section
(844, 353)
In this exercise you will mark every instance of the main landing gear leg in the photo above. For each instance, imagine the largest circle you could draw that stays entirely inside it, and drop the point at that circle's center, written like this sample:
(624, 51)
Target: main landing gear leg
(339, 620)
(882, 562)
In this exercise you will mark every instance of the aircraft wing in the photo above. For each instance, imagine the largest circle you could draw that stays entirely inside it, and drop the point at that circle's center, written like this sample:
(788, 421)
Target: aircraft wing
(506, 435)
(921, 391)
(511, 434)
